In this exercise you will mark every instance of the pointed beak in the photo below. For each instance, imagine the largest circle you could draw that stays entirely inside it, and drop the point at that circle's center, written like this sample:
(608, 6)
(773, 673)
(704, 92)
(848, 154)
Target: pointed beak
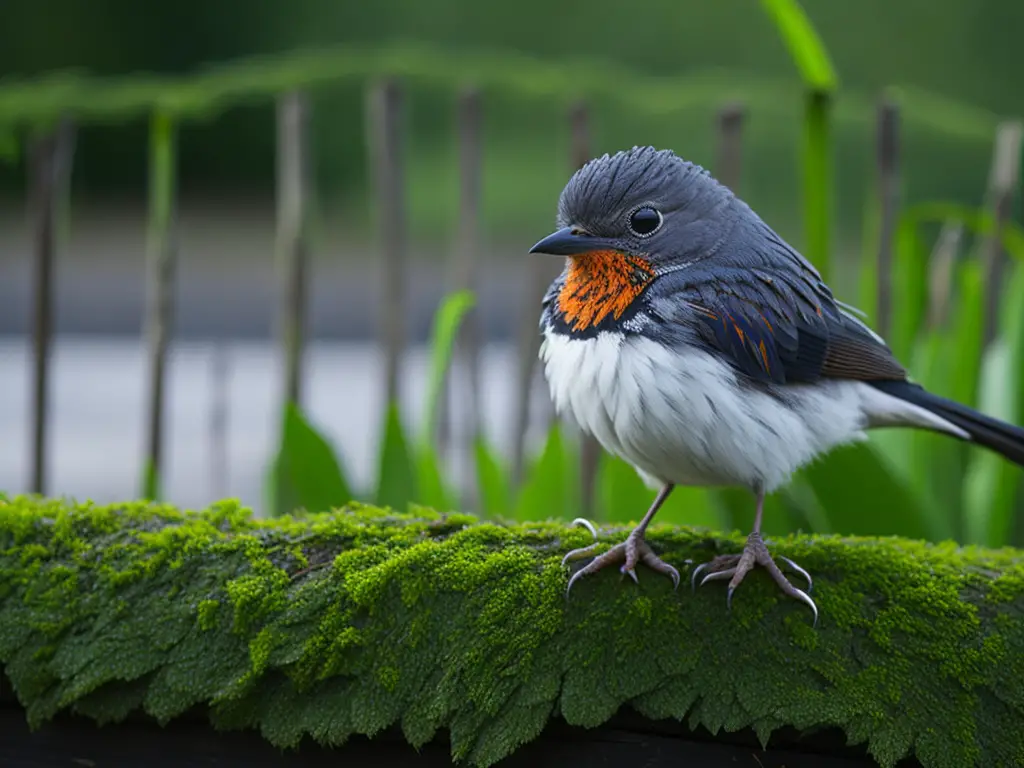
(569, 241)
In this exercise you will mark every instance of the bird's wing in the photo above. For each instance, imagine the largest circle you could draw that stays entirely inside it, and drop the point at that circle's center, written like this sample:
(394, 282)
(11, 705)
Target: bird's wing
(774, 325)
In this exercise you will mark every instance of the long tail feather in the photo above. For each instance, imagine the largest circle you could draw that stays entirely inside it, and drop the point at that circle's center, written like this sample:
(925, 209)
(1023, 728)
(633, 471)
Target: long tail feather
(996, 435)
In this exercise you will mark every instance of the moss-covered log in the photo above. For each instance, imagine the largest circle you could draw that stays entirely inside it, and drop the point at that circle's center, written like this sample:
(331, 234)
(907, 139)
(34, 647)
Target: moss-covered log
(363, 620)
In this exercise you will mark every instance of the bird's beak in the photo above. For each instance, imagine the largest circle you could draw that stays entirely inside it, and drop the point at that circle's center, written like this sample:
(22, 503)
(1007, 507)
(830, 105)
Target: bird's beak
(569, 241)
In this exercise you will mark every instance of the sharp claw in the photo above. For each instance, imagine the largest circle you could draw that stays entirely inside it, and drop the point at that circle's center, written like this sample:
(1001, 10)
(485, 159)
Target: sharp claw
(798, 569)
(575, 554)
(572, 580)
(799, 594)
(634, 549)
(695, 574)
(584, 523)
(655, 563)
(675, 578)
(728, 573)
(728, 599)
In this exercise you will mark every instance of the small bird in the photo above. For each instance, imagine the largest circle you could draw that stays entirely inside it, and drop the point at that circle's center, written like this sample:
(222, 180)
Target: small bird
(692, 341)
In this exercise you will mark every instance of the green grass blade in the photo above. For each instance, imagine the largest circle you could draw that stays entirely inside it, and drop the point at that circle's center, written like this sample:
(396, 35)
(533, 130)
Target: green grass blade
(492, 481)
(977, 220)
(305, 473)
(934, 462)
(863, 494)
(163, 149)
(396, 477)
(9, 146)
(446, 326)
(867, 267)
(430, 482)
(432, 490)
(624, 498)
(964, 365)
(690, 506)
(734, 508)
(551, 489)
(909, 287)
(150, 482)
(817, 166)
(805, 46)
(991, 483)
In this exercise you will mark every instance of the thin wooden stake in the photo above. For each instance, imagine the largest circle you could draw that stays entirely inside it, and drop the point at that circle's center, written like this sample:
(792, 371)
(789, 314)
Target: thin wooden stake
(469, 120)
(888, 170)
(1004, 177)
(730, 145)
(162, 258)
(940, 273)
(385, 144)
(50, 163)
(293, 193)
(541, 270)
(220, 407)
(590, 449)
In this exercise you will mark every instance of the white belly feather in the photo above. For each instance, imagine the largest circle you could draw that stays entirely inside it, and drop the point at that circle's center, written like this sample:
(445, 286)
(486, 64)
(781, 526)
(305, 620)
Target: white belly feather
(680, 417)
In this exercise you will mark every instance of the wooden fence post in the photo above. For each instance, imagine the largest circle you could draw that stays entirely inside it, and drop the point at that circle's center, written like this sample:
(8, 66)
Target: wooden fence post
(293, 193)
(941, 267)
(385, 144)
(220, 408)
(590, 449)
(469, 119)
(729, 163)
(162, 258)
(1003, 180)
(888, 177)
(50, 161)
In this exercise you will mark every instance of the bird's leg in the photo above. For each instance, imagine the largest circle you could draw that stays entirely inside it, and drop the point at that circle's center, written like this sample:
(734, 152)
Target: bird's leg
(736, 567)
(633, 550)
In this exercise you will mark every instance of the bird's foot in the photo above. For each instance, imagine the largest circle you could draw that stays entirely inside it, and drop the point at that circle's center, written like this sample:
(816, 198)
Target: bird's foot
(633, 550)
(736, 567)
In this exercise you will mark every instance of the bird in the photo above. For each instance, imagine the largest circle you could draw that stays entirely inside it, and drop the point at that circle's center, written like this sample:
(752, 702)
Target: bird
(692, 341)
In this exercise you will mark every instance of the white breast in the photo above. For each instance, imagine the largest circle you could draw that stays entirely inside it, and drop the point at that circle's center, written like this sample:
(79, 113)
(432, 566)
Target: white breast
(679, 416)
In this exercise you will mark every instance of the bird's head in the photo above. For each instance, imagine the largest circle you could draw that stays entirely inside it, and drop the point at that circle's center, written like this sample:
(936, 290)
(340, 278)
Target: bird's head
(641, 203)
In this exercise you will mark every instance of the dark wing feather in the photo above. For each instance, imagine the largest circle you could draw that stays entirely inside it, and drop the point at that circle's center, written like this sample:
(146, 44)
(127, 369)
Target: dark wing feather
(780, 326)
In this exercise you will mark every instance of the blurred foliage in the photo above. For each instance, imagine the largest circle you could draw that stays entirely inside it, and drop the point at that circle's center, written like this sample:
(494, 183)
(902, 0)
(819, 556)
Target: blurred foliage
(873, 43)
(526, 133)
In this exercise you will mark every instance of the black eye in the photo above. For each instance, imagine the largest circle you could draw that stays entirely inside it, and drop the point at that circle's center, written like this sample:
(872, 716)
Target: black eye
(644, 221)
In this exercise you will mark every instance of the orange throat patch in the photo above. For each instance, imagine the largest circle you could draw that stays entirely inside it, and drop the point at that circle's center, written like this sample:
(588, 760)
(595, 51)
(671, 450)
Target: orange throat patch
(599, 284)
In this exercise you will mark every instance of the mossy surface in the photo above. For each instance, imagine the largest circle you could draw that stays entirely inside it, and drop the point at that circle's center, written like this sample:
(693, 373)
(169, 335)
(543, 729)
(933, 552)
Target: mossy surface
(351, 622)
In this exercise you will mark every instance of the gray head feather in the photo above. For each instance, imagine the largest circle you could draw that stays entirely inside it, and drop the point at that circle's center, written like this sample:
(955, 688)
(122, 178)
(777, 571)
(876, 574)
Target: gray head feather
(698, 212)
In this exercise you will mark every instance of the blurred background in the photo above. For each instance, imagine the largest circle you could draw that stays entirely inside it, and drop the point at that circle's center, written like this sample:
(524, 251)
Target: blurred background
(954, 62)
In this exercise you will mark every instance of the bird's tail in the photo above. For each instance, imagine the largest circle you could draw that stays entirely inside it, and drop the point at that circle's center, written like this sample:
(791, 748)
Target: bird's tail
(1003, 438)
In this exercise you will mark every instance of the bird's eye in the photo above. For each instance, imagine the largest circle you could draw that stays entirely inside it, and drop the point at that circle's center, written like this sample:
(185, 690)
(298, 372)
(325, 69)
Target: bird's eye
(645, 221)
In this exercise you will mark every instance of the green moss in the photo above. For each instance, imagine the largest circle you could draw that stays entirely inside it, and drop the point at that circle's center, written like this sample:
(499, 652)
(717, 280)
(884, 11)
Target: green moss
(207, 611)
(348, 623)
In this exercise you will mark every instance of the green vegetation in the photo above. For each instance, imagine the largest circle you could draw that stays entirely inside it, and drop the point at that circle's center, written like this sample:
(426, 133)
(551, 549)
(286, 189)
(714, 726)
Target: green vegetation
(525, 128)
(351, 622)
(902, 483)
(905, 483)
(898, 483)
